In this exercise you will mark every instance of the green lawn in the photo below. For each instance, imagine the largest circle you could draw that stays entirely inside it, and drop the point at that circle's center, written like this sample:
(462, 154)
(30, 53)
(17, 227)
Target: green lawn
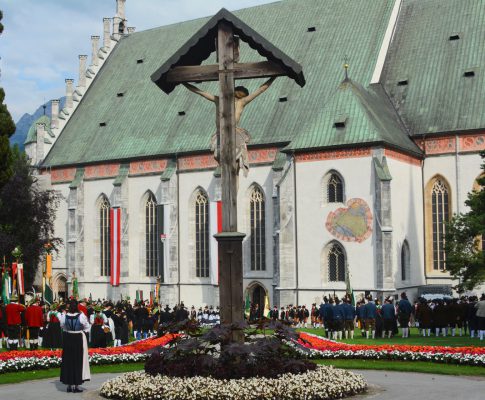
(414, 339)
(407, 366)
(22, 376)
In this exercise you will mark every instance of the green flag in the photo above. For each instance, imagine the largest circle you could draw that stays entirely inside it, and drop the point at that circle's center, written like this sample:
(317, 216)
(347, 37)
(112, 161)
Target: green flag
(48, 295)
(6, 289)
(75, 288)
(247, 305)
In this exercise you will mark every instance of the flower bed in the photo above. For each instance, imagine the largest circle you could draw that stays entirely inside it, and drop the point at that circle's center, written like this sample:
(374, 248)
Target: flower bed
(319, 347)
(42, 359)
(322, 383)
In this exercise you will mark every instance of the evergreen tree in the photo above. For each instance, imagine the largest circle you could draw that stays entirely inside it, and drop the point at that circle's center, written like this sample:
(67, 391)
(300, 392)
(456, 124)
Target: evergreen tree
(464, 245)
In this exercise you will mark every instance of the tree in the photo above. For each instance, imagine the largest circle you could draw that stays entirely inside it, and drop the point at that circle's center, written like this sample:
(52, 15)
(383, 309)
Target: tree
(7, 129)
(27, 215)
(465, 255)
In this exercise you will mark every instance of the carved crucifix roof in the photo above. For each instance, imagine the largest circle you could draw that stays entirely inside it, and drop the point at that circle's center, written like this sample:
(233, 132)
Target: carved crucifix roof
(199, 47)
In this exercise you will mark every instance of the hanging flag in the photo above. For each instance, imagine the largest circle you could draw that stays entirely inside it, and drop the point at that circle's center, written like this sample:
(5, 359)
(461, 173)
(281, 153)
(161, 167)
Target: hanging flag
(215, 213)
(48, 266)
(48, 294)
(139, 296)
(20, 279)
(14, 277)
(350, 292)
(75, 288)
(151, 298)
(267, 310)
(247, 305)
(115, 239)
(6, 290)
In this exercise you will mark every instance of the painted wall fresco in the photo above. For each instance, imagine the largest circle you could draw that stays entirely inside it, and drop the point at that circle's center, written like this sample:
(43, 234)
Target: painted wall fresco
(352, 223)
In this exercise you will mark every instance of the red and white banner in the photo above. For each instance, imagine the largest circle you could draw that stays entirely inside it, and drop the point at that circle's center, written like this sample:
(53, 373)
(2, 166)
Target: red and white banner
(20, 279)
(115, 240)
(215, 213)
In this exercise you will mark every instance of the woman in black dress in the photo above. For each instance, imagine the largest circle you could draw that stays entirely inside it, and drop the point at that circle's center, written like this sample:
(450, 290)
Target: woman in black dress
(74, 364)
(53, 333)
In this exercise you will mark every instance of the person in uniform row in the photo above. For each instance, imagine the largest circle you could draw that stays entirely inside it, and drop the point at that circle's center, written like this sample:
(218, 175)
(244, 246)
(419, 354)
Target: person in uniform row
(14, 312)
(34, 320)
(52, 336)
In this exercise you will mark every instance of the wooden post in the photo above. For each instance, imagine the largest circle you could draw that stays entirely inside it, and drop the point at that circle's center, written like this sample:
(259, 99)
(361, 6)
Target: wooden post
(227, 125)
(229, 242)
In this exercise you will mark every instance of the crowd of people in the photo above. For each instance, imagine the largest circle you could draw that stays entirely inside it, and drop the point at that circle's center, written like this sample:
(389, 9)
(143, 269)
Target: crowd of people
(109, 323)
(438, 317)
(40, 325)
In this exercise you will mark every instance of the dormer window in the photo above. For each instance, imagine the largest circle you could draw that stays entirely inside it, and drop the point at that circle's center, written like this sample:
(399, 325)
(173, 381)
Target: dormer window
(469, 73)
(403, 82)
(454, 37)
(340, 122)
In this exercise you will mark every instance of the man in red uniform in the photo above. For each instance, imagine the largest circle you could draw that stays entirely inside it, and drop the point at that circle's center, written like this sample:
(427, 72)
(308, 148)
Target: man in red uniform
(14, 319)
(82, 307)
(34, 320)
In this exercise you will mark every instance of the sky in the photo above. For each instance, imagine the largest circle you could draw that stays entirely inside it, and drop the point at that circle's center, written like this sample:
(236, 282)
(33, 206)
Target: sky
(42, 39)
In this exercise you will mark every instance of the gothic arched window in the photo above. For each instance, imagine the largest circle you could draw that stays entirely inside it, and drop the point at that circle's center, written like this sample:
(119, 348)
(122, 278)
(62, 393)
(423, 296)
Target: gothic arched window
(104, 236)
(151, 237)
(258, 233)
(335, 189)
(202, 242)
(405, 261)
(440, 212)
(336, 263)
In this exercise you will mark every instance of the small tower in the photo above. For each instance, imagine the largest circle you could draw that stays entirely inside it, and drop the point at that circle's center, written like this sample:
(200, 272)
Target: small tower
(119, 20)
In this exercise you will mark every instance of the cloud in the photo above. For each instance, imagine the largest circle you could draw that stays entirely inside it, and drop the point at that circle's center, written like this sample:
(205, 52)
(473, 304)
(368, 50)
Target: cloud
(42, 39)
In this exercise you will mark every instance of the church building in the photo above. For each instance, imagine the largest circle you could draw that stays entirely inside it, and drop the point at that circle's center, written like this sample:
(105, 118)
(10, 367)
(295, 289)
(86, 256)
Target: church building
(352, 177)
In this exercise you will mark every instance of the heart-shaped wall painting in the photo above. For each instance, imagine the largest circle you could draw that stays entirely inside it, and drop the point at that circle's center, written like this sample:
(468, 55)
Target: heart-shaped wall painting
(352, 223)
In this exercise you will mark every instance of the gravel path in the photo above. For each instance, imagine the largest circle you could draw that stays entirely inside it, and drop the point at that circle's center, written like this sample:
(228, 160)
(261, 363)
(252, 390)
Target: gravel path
(383, 385)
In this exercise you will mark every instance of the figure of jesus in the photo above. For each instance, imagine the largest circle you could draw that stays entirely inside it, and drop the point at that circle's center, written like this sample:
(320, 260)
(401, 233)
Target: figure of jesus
(242, 98)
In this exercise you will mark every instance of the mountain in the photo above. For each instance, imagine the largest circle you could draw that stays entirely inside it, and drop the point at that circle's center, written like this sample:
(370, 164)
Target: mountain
(25, 122)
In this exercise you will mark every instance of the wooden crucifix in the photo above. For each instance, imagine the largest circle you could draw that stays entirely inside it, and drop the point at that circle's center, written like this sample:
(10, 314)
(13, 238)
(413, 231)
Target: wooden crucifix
(222, 34)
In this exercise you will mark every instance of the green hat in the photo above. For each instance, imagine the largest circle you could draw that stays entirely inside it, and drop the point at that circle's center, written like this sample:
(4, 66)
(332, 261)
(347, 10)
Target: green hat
(14, 297)
(53, 307)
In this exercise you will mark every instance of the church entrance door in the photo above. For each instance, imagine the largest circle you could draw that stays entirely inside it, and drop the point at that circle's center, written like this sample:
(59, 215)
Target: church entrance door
(258, 298)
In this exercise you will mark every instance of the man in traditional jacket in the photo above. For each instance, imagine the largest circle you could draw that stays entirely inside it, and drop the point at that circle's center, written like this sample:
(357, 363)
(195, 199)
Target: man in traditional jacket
(370, 315)
(404, 311)
(424, 316)
(34, 320)
(388, 316)
(14, 320)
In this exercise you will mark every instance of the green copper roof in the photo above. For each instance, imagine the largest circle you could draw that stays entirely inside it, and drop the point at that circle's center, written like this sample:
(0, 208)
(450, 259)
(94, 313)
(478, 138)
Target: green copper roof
(382, 170)
(32, 134)
(355, 115)
(145, 122)
(122, 174)
(436, 41)
(78, 178)
(169, 171)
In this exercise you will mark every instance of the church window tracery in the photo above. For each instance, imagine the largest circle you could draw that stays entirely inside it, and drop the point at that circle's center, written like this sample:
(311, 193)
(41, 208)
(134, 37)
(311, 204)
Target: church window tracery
(202, 240)
(257, 230)
(104, 237)
(336, 263)
(440, 216)
(333, 188)
(405, 261)
(151, 237)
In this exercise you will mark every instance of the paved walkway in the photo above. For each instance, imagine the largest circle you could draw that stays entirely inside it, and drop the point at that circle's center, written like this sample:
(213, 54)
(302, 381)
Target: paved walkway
(384, 385)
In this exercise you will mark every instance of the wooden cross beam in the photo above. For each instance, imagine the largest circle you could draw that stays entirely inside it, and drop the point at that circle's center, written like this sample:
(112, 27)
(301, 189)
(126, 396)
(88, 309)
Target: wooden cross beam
(206, 73)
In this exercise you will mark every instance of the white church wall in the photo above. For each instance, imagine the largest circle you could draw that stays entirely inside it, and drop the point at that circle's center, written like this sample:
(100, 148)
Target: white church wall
(94, 283)
(60, 230)
(407, 221)
(312, 213)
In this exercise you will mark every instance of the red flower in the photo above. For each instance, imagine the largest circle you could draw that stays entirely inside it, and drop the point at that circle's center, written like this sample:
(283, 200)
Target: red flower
(322, 344)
